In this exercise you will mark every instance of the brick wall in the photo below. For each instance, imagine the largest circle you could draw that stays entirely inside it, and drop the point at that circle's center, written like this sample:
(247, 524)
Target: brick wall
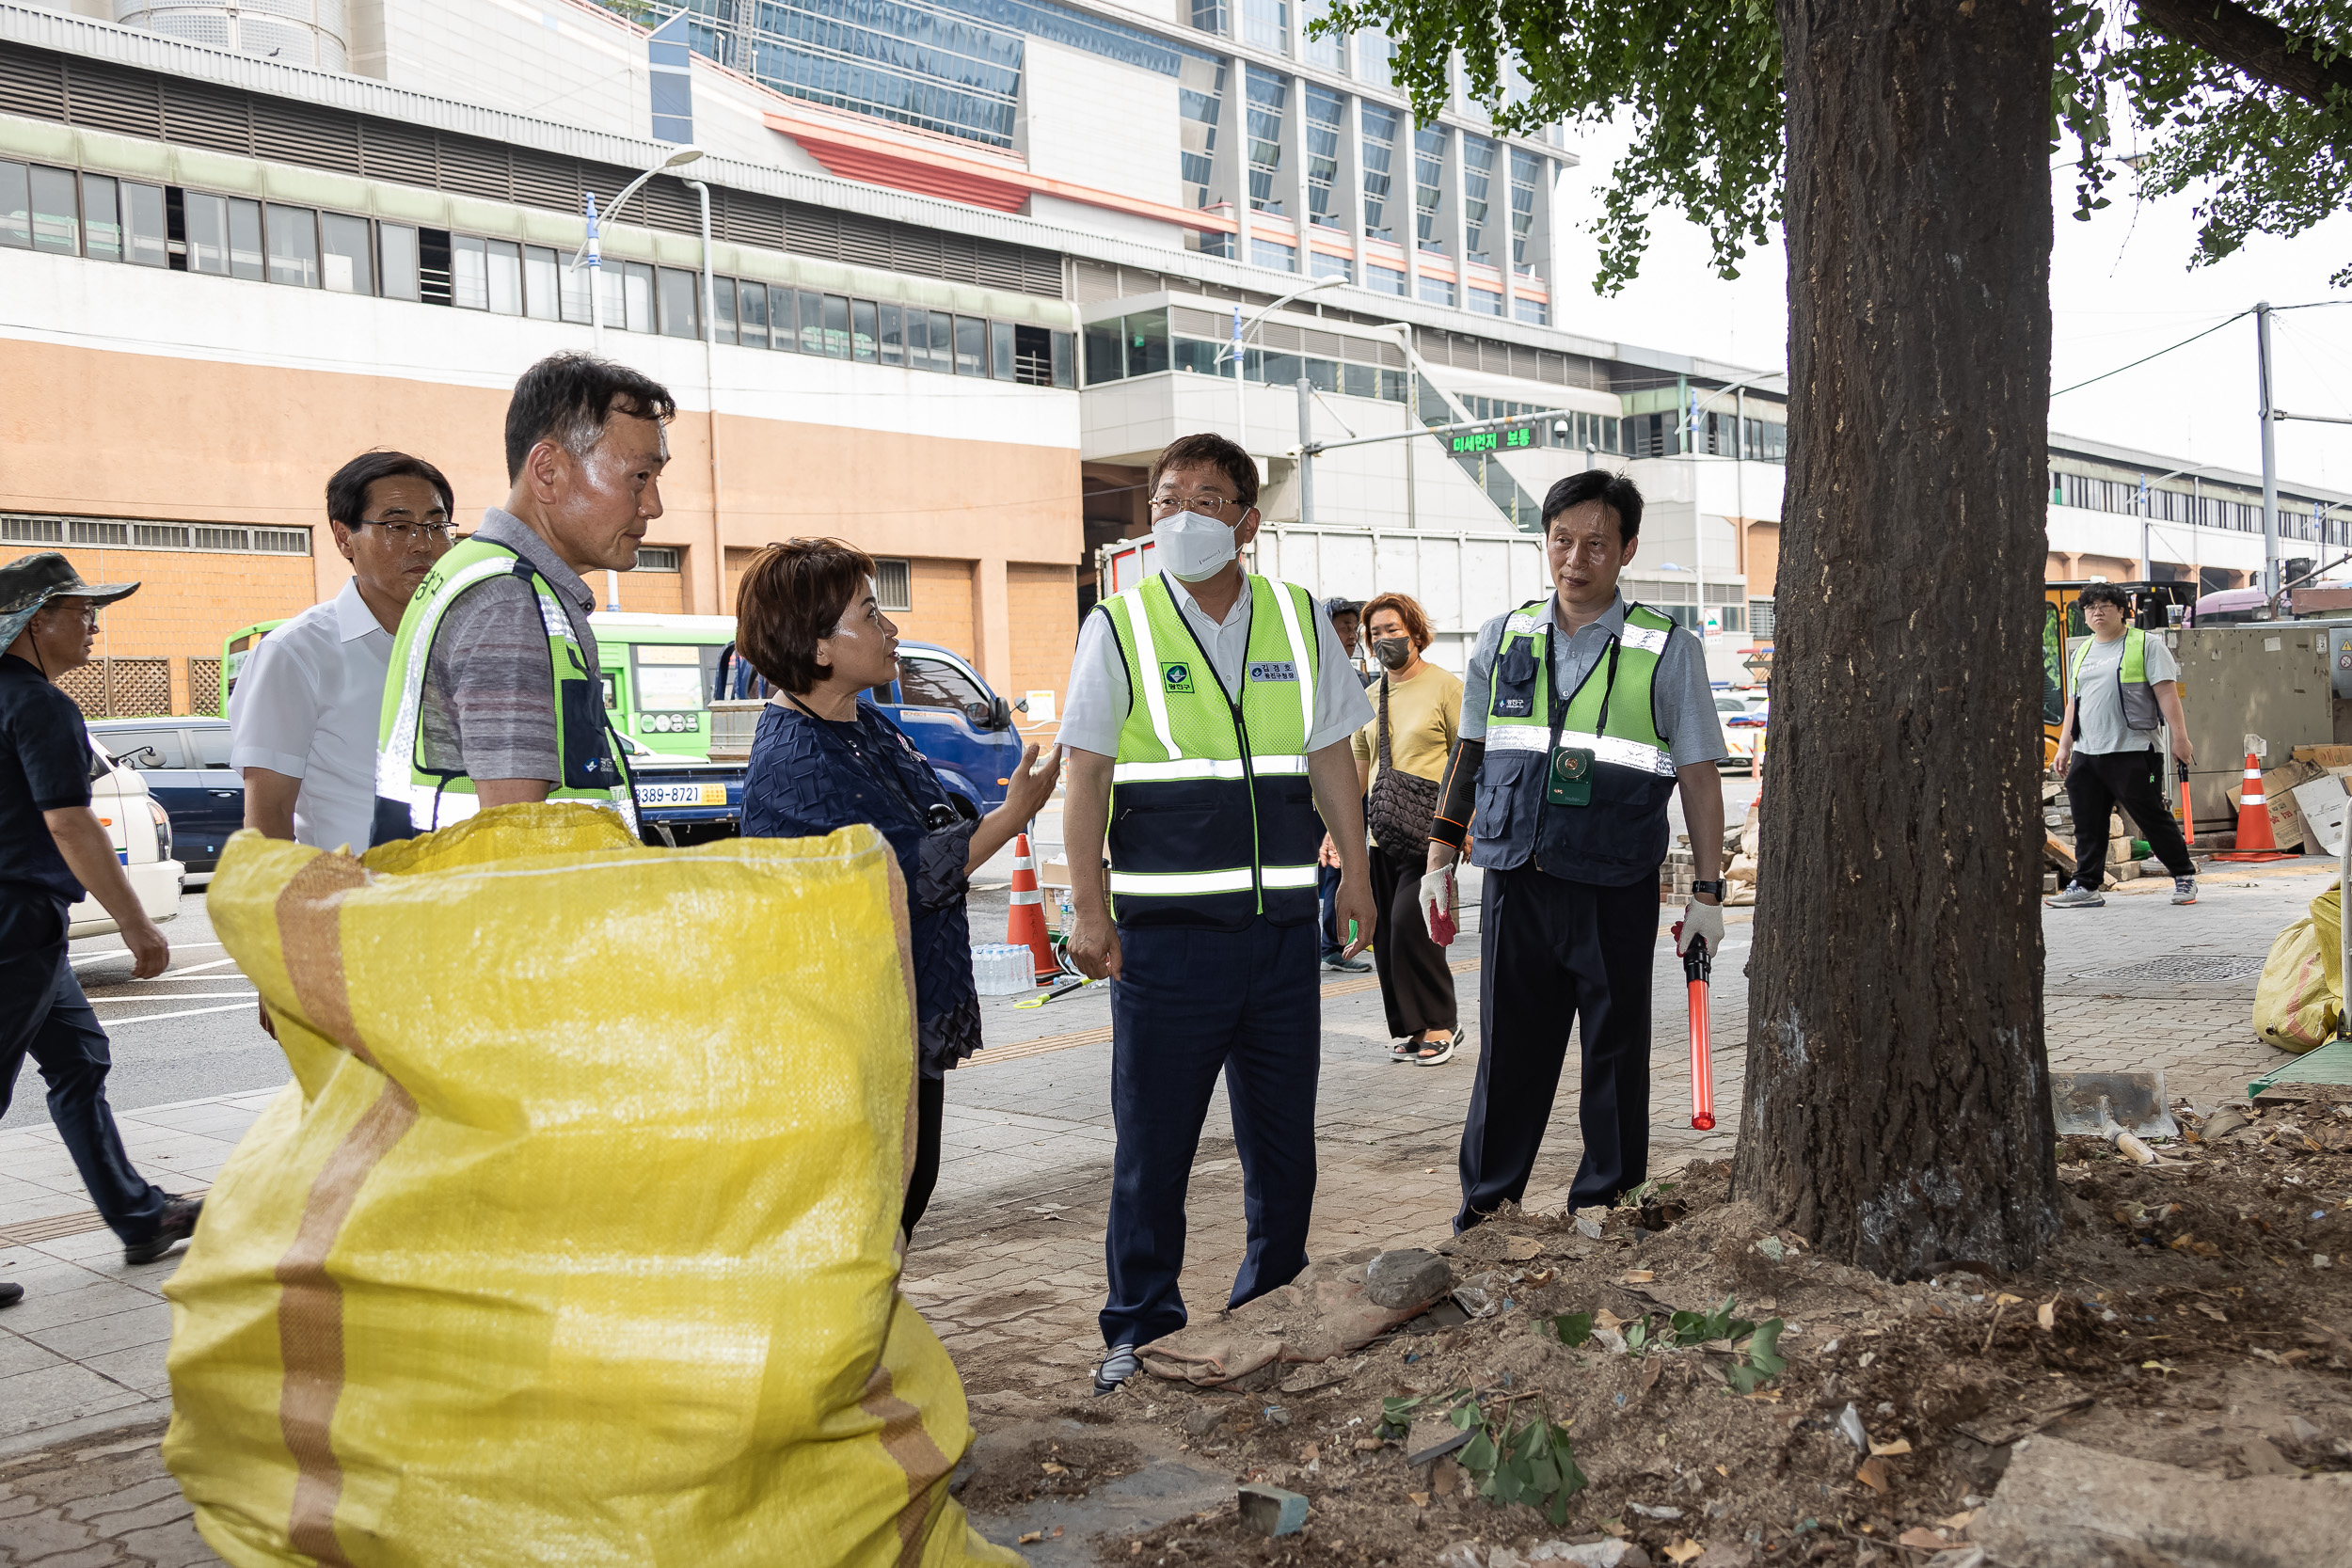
(644, 592)
(188, 601)
(1044, 605)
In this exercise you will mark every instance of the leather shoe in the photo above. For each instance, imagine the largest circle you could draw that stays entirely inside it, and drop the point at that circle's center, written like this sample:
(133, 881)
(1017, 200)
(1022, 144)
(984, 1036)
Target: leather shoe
(10, 1293)
(177, 1226)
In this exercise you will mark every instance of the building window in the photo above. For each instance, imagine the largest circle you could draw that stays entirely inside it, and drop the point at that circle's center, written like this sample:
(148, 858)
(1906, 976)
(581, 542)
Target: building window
(1485, 302)
(345, 265)
(1000, 351)
(1323, 265)
(1146, 337)
(1534, 313)
(1267, 24)
(468, 272)
(1527, 169)
(637, 308)
(1384, 281)
(396, 246)
(1199, 100)
(1478, 168)
(223, 235)
(1212, 16)
(1428, 186)
(1379, 146)
(750, 309)
(543, 294)
(674, 297)
(505, 259)
(1436, 291)
(1328, 49)
(658, 558)
(57, 223)
(1268, 93)
(101, 225)
(722, 310)
(971, 346)
(894, 584)
(864, 332)
(1374, 53)
(1274, 254)
(294, 246)
(1760, 619)
(147, 232)
(1325, 112)
(1106, 352)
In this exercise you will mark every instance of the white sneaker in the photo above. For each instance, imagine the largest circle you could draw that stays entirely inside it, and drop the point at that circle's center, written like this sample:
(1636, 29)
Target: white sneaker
(2076, 897)
(2184, 890)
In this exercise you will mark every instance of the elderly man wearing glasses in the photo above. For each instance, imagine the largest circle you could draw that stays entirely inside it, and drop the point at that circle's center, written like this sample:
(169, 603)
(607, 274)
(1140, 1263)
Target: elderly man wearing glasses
(304, 715)
(1209, 719)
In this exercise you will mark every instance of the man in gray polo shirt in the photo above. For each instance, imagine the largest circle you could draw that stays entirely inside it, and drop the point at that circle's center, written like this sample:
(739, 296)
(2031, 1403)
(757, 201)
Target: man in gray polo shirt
(585, 447)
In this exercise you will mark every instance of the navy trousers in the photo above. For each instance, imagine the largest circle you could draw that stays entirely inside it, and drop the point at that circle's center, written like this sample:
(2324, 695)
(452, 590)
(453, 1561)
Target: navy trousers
(1552, 953)
(44, 1015)
(1189, 1004)
(1327, 912)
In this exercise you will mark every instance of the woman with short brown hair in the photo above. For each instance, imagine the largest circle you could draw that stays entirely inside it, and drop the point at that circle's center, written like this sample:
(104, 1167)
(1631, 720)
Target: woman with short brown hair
(1399, 758)
(824, 756)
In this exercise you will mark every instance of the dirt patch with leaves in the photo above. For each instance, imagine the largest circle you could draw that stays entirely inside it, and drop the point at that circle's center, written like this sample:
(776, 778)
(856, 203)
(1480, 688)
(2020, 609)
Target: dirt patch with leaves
(1678, 1378)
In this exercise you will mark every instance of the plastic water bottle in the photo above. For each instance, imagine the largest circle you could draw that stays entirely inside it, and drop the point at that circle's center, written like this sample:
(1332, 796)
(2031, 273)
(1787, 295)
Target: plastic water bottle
(1001, 969)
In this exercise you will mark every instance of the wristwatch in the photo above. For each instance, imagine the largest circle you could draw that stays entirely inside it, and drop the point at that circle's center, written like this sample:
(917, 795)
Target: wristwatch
(1722, 890)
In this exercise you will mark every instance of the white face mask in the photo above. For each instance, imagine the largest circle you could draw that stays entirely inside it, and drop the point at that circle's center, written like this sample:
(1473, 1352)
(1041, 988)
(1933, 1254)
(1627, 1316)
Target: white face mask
(1191, 548)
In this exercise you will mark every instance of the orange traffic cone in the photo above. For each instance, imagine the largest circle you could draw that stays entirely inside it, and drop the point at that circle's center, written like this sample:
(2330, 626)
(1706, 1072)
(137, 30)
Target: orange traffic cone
(2254, 842)
(1025, 922)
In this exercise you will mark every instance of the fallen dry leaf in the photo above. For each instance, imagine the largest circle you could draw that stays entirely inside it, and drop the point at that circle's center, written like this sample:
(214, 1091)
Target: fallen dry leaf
(1770, 1396)
(1309, 1454)
(1684, 1549)
(1419, 1499)
(1606, 1319)
(2214, 1313)
(1057, 1532)
(2005, 1299)
(1721, 1471)
(1874, 1474)
(1922, 1540)
(1519, 1249)
(1369, 1444)
(2046, 1315)
(1901, 1445)
(1030, 1538)
(1053, 1469)
(1642, 1276)
(1958, 1521)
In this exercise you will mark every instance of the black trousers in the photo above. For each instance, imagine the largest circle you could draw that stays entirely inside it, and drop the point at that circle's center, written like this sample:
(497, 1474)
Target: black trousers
(1554, 953)
(2095, 785)
(44, 1015)
(1416, 982)
(931, 1102)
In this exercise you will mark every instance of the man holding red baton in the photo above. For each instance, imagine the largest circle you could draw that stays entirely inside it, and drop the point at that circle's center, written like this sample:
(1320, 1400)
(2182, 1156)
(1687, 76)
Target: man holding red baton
(1582, 716)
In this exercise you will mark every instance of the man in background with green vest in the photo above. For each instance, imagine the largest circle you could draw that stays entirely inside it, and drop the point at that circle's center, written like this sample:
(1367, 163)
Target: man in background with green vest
(1582, 717)
(494, 693)
(2124, 685)
(1208, 725)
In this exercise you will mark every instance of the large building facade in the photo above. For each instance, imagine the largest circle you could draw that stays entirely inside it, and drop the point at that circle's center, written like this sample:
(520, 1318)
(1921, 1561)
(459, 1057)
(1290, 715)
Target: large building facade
(943, 278)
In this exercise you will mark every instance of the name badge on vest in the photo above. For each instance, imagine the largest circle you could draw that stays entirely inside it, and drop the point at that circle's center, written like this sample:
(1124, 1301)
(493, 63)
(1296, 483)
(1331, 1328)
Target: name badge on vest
(1518, 706)
(1275, 669)
(1571, 779)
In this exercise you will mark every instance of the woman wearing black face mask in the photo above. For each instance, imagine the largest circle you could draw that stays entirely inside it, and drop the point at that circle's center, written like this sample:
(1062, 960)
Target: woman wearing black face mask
(1401, 757)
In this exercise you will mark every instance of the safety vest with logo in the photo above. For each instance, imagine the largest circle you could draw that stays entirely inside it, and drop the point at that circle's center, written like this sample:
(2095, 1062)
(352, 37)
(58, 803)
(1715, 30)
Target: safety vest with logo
(2141, 710)
(411, 795)
(1619, 836)
(1212, 816)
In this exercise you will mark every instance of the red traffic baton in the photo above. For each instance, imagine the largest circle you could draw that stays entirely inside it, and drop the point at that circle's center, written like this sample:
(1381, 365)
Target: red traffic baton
(1696, 965)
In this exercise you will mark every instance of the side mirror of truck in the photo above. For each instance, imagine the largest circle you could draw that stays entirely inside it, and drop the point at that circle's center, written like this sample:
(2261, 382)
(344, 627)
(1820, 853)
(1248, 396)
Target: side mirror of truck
(999, 714)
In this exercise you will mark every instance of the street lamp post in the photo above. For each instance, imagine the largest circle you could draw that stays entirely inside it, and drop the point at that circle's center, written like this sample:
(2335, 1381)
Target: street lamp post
(1738, 478)
(590, 255)
(1241, 333)
(710, 396)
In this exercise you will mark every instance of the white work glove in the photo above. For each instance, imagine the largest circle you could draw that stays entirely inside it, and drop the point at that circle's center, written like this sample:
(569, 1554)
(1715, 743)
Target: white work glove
(1701, 920)
(1438, 906)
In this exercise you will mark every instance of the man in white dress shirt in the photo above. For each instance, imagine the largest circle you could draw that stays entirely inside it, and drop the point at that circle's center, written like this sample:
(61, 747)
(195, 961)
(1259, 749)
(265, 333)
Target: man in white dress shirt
(303, 719)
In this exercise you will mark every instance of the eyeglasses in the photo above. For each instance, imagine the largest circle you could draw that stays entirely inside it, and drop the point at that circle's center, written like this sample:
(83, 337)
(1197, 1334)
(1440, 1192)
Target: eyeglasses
(1208, 506)
(414, 533)
(87, 613)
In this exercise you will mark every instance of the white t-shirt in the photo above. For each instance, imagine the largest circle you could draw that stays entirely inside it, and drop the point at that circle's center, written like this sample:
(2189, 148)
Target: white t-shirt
(308, 705)
(2099, 696)
(1097, 709)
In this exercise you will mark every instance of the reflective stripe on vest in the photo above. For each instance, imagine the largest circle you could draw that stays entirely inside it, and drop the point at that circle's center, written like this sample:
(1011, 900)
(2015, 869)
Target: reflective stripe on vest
(1632, 739)
(1213, 823)
(436, 799)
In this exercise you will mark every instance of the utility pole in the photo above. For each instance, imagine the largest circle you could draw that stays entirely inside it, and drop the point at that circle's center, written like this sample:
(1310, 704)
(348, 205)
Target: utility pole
(2271, 460)
(1306, 452)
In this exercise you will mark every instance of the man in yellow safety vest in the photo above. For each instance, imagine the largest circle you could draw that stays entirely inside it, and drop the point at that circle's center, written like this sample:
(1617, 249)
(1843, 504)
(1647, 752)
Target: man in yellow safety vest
(1208, 725)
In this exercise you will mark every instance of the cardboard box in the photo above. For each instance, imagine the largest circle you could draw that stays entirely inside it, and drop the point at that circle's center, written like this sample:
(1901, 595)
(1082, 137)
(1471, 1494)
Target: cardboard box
(2286, 821)
(2331, 757)
(2324, 805)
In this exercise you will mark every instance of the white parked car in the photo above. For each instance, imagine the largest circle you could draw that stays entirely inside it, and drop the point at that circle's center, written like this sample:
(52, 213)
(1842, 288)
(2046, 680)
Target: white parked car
(141, 835)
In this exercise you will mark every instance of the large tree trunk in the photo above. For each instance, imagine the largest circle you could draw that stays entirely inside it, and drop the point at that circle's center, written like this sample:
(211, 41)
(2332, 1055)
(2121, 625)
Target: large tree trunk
(1897, 1109)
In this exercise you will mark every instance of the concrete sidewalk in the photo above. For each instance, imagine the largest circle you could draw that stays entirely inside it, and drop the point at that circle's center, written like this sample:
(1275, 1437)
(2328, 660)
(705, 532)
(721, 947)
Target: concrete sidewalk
(1007, 1265)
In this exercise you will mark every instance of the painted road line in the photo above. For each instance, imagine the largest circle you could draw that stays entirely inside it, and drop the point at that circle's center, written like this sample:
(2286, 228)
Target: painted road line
(125, 952)
(192, 1012)
(151, 999)
(184, 969)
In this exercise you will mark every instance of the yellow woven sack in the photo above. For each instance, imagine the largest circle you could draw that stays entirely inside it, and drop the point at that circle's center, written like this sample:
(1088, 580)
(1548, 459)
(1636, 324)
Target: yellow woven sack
(2295, 1007)
(575, 1239)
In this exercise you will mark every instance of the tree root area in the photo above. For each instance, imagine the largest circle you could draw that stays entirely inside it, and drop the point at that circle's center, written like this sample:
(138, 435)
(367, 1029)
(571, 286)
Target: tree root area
(2185, 1316)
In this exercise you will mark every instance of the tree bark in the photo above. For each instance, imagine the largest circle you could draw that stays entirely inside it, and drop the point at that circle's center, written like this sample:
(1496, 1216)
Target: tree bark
(1897, 1108)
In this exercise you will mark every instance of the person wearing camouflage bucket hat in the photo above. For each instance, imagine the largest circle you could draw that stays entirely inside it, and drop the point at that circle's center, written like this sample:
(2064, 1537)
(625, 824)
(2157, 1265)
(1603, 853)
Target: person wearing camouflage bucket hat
(51, 847)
